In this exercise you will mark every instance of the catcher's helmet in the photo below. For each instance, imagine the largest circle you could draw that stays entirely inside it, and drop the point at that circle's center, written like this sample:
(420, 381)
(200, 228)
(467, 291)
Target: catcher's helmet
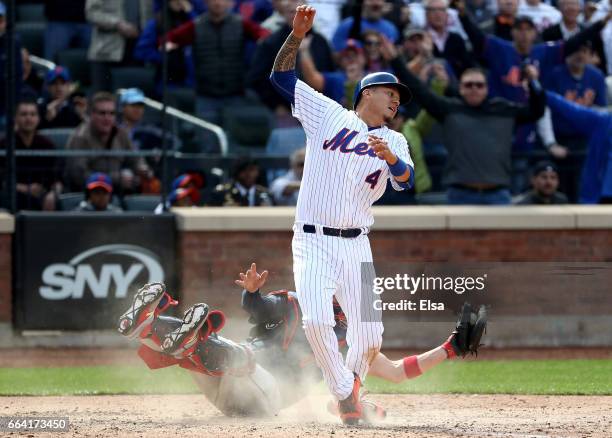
(382, 78)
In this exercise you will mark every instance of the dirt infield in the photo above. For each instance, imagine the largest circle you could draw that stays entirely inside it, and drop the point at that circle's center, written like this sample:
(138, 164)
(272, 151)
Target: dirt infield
(409, 416)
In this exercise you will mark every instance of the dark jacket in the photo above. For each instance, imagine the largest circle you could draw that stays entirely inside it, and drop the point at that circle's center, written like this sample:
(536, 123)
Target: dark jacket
(455, 53)
(478, 139)
(258, 77)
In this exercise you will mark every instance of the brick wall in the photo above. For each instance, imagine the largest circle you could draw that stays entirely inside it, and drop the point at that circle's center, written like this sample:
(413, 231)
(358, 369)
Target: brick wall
(211, 261)
(5, 278)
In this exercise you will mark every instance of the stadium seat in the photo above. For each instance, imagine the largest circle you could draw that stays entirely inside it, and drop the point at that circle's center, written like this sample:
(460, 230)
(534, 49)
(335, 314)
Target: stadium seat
(59, 136)
(141, 202)
(182, 99)
(129, 77)
(76, 61)
(31, 13)
(32, 37)
(69, 201)
(247, 126)
(284, 141)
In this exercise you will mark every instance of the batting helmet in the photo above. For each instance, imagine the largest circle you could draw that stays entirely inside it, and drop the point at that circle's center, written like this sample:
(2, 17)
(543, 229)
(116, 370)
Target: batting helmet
(382, 78)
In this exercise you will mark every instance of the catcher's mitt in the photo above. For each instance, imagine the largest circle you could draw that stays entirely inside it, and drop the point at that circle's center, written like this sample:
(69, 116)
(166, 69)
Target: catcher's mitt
(469, 330)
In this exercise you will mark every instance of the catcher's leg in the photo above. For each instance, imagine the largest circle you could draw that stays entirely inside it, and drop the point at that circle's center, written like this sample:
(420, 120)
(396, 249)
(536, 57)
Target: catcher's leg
(142, 311)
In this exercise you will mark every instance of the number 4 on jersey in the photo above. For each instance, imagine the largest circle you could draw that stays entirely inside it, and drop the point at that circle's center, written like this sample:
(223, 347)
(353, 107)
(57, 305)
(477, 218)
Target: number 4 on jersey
(372, 178)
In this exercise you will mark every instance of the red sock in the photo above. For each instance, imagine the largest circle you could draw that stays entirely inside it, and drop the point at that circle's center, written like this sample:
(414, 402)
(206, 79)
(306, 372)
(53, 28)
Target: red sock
(411, 367)
(450, 353)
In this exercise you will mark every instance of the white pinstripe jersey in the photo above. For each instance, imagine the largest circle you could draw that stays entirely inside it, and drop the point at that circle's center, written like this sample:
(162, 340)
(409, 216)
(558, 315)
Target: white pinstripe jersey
(342, 176)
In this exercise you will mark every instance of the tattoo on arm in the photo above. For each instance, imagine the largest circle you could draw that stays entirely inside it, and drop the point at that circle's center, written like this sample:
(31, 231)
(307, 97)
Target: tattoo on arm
(285, 59)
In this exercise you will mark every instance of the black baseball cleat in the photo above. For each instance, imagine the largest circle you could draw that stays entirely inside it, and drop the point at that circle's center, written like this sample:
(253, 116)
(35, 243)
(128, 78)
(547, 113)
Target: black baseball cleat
(350, 408)
(179, 341)
(142, 311)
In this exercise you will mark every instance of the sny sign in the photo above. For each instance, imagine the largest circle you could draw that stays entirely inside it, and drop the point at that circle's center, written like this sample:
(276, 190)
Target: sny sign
(70, 280)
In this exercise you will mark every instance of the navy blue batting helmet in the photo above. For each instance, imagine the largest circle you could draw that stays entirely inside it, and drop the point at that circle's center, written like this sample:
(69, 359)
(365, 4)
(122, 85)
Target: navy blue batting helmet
(382, 78)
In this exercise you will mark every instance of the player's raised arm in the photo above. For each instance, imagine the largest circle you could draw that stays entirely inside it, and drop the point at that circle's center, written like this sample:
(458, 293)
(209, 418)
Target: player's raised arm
(283, 73)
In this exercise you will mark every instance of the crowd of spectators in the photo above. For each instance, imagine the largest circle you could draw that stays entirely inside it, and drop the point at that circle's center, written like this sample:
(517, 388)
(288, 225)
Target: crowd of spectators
(498, 85)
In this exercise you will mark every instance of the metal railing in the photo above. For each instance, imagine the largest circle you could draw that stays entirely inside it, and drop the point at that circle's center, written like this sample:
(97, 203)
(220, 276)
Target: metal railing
(153, 104)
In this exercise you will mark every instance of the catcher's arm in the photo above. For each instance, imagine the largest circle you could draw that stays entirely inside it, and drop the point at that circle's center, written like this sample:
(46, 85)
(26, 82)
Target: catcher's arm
(261, 308)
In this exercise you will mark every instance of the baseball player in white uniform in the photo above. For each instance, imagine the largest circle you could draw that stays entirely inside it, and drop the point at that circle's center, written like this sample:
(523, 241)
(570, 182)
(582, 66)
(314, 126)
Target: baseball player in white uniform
(349, 157)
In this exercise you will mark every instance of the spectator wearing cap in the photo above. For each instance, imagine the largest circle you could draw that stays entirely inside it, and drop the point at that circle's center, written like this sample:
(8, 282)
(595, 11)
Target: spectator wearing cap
(189, 184)
(337, 85)
(38, 177)
(98, 195)
(115, 29)
(18, 67)
(596, 128)
(258, 76)
(447, 45)
(101, 133)
(505, 61)
(285, 189)
(242, 190)
(147, 47)
(417, 48)
(542, 14)
(66, 27)
(544, 187)
(144, 136)
(57, 108)
(219, 39)
(132, 109)
(371, 19)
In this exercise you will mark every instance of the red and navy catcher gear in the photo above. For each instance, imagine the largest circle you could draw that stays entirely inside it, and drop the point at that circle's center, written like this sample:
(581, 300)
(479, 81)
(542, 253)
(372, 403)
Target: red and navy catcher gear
(382, 78)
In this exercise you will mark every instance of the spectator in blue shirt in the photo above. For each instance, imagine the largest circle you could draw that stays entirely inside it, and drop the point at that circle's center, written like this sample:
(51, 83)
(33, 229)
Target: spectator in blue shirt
(596, 127)
(578, 81)
(373, 11)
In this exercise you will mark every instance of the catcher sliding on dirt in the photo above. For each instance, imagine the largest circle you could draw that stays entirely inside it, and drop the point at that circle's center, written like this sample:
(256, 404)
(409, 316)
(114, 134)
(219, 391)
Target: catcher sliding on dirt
(274, 367)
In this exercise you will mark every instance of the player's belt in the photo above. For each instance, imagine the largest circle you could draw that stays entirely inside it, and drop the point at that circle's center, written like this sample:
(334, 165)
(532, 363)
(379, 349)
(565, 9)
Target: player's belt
(336, 232)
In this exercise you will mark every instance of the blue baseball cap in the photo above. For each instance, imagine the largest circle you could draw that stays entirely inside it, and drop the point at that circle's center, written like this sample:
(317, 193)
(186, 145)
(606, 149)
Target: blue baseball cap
(132, 96)
(2, 9)
(57, 73)
(101, 180)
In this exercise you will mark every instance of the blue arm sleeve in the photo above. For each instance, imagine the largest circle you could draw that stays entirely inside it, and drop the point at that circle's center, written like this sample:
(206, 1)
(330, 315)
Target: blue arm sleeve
(267, 308)
(284, 82)
(575, 117)
(398, 169)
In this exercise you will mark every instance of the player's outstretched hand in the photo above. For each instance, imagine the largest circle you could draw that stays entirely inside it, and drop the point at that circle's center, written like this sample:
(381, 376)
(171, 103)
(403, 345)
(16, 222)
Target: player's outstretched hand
(252, 281)
(381, 148)
(303, 20)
